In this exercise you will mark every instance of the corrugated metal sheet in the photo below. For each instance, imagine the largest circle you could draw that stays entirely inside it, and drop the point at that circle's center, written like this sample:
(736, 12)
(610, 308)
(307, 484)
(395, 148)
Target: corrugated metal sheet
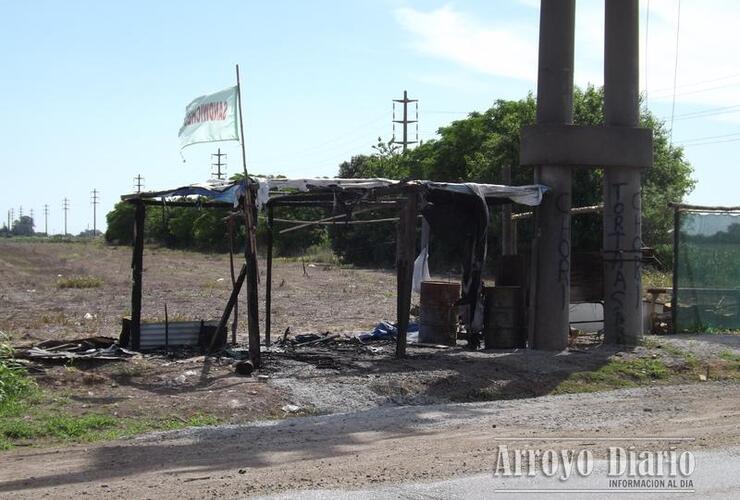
(180, 333)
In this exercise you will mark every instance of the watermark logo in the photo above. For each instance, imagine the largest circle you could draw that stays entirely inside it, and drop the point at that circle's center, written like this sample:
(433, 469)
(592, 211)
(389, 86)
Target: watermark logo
(605, 468)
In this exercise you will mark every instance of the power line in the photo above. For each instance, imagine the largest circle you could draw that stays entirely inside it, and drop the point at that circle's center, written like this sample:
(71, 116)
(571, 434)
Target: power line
(709, 112)
(710, 137)
(675, 67)
(65, 207)
(94, 201)
(692, 144)
(405, 121)
(668, 90)
(219, 174)
(138, 183)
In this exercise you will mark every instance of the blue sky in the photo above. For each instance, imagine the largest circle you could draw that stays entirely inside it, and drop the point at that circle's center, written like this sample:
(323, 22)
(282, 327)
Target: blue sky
(94, 92)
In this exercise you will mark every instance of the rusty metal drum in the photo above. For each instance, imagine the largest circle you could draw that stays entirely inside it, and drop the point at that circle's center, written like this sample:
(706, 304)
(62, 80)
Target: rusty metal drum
(438, 313)
(503, 324)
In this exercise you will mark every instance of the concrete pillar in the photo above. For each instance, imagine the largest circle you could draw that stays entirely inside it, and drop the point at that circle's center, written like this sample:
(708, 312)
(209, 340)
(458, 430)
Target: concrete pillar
(622, 236)
(550, 288)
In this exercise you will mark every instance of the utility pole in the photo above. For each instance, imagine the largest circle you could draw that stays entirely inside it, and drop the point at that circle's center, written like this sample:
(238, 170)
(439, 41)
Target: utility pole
(9, 212)
(218, 173)
(95, 200)
(46, 219)
(65, 207)
(138, 184)
(405, 121)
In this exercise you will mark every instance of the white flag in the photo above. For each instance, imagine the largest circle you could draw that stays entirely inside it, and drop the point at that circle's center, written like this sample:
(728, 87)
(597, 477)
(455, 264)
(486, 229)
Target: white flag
(210, 118)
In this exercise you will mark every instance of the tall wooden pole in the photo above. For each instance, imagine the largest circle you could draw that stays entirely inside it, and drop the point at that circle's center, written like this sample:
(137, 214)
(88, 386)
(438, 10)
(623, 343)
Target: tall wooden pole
(250, 248)
(137, 266)
(405, 249)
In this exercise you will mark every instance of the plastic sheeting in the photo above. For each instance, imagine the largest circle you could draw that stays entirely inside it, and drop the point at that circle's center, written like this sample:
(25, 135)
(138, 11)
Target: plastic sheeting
(707, 281)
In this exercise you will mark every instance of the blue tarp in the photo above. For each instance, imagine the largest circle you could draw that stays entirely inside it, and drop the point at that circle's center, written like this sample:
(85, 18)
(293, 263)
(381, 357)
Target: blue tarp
(385, 330)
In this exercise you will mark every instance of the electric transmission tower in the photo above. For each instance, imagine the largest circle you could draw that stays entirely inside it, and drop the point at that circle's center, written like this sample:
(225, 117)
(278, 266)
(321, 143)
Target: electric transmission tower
(46, 219)
(94, 200)
(219, 174)
(138, 183)
(405, 121)
(65, 207)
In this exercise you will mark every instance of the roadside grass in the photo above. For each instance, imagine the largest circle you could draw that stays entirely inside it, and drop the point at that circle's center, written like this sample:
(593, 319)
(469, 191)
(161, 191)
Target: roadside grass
(30, 424)
(30, 417)
(616, 374)
(79, 282)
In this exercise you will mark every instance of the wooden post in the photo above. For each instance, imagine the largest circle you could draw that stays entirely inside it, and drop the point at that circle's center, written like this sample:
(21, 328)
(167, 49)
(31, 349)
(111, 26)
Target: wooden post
(676, 242)
(508, 243)
(268, 285)
(253, 320)
(235, 323)
(250, 248)
(221, 330)
(137, 266)
(405, 248)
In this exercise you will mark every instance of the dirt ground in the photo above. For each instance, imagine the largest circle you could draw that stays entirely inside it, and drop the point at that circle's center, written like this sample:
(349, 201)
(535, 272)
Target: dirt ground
(338, 377)
(373, 447)
(195, 286)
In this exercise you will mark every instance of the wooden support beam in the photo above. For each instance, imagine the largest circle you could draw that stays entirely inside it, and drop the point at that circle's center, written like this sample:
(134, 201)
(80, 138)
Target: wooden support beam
(221, 330)
(405, 249)
(268, 285)
(250, 256)
(137, 266)
(508, 243)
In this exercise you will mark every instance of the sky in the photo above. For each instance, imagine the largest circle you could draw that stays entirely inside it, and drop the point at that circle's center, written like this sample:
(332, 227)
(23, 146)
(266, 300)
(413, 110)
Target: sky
(94, 92)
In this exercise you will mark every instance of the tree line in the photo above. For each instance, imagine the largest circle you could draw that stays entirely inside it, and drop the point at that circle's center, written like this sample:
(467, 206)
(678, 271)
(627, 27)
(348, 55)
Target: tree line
(473, 149)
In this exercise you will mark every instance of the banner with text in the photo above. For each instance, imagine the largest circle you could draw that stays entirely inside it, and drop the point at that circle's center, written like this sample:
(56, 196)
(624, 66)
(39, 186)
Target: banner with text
(210, 118)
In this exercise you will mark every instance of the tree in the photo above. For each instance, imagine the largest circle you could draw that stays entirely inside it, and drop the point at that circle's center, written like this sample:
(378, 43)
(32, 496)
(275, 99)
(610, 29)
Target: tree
(23, 226)
(475, 149)
(120, 224)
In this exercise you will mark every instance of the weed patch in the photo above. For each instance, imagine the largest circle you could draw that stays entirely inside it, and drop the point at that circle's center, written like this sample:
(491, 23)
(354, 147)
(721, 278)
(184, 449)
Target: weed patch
(617, 374)
(79, 282)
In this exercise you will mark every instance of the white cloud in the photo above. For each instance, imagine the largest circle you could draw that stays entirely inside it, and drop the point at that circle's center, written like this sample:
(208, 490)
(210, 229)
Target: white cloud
(506, 49)
(708, 46)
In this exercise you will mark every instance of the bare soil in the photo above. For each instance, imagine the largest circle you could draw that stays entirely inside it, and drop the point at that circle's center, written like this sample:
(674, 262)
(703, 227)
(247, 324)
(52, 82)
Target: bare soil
(194, 286)
(326, 379)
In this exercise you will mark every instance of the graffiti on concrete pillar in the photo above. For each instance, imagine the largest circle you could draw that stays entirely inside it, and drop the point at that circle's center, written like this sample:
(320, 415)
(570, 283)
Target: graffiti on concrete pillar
(637, 247)
(564, 247)
(617, 233)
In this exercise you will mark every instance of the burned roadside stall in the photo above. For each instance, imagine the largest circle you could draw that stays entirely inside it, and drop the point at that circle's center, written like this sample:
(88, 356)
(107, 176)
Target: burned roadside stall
(461, 209)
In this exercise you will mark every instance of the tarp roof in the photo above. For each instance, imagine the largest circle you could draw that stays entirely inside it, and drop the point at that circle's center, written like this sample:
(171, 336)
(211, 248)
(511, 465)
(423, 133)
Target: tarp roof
(231, 191)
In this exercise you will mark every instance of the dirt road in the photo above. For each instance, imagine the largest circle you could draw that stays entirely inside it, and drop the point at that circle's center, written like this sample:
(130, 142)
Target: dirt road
(376, 447)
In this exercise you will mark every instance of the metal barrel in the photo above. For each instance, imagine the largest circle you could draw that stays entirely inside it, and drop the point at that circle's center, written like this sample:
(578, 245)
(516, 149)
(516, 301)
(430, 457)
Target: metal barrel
(503, 325)
(438, 321)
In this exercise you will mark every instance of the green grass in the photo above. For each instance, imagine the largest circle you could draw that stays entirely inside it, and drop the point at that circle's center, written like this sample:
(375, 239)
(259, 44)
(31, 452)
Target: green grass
(33, 425)
(616, 374)
(30, 417)
(79, 282)
(654, 278)
(730, 356)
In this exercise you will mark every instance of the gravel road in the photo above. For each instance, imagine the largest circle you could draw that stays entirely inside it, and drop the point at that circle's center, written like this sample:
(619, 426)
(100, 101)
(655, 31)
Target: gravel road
(375, 448)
